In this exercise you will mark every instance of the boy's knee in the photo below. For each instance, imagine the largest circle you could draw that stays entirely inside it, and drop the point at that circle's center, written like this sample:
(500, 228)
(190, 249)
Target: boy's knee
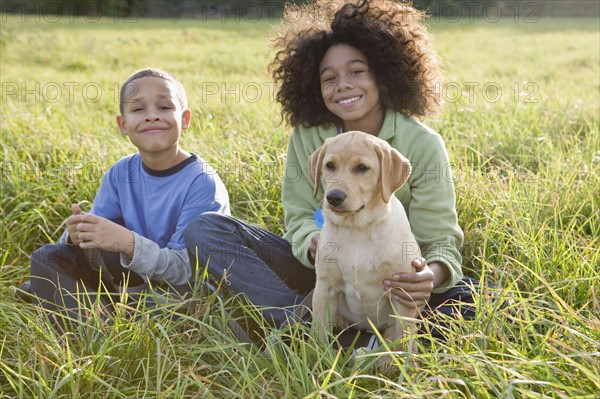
(48, 253)
(39, 255)
(52, 256)
(45, 269)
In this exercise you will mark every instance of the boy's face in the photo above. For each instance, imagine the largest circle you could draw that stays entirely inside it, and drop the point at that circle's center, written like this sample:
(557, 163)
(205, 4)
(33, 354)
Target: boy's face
(153, 116)
(348, 87)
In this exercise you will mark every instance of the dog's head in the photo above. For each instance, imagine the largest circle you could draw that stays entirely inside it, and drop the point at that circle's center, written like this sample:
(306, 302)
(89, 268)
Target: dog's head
(358, 169)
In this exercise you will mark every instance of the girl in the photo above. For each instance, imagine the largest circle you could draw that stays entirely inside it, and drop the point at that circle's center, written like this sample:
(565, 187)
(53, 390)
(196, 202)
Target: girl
(362, 65)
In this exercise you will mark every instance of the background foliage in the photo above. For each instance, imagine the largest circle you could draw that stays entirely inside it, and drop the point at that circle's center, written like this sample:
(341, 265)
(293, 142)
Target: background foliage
(216, 9)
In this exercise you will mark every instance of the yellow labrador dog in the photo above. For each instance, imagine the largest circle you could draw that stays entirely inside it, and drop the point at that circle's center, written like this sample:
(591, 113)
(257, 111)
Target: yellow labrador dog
(366, 237)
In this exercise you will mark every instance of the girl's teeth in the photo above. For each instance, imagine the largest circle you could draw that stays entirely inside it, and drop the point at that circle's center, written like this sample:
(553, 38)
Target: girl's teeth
(348, 101)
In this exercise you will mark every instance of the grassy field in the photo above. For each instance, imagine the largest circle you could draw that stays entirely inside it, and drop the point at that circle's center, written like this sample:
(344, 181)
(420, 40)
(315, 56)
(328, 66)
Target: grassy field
(522, 128)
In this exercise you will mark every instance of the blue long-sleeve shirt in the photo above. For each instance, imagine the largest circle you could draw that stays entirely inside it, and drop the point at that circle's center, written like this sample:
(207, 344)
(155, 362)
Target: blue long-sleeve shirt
(156, 206)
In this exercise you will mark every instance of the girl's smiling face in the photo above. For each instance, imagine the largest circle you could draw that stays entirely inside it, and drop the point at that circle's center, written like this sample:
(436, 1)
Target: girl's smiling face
(350, 90)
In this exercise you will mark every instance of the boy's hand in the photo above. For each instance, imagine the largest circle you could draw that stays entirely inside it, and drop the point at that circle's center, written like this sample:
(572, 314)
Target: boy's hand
(72, 223)
(93, 231)
(412, 289)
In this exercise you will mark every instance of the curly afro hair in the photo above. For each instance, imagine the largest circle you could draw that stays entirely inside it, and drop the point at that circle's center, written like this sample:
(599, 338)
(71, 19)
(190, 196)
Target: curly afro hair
(391, 35)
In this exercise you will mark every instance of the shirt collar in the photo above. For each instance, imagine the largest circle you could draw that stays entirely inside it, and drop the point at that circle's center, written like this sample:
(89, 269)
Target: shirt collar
(388, 129)
(326, 132)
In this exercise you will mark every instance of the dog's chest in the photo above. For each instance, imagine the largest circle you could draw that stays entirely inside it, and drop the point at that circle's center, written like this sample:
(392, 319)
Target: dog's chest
(356, 261)
(360, 272)
(359, 257)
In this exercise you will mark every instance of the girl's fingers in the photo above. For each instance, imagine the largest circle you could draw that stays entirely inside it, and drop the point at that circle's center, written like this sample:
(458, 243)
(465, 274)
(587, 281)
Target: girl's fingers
(419, 264)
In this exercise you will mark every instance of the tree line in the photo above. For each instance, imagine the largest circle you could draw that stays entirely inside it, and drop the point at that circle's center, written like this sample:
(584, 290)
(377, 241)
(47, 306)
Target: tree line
(271, 9)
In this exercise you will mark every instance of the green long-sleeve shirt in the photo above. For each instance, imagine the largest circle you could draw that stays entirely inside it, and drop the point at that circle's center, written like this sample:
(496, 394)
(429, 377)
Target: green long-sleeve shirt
(428, 196)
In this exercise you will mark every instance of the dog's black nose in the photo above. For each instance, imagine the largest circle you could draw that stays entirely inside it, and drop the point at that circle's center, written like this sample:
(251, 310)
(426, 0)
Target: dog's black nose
(336, 197)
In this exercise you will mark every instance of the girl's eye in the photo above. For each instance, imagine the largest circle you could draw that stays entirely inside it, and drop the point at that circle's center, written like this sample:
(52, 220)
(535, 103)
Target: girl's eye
(137, 109)
(357, 71)
(165, 107)
(329, 79)
(330, 166)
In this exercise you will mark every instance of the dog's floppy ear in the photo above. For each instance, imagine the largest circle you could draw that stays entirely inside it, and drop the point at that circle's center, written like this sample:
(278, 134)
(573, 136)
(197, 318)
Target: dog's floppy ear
(394, 170)
(315, 164)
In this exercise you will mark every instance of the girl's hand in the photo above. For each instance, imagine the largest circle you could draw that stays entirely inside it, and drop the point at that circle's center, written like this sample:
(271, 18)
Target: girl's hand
(93, 231)
(412, 289)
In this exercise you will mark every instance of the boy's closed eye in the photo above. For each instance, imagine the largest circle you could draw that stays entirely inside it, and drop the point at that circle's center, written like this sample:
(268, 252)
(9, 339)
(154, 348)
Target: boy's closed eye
(134, 105)
(160, 107)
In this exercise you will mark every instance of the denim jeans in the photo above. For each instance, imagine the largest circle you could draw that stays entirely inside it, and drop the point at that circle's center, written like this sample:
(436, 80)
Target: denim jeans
(67, 282)
(249, 260)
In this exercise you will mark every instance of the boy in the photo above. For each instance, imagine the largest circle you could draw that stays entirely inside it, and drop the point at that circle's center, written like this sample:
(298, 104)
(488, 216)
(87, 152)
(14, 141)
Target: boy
(133, 236)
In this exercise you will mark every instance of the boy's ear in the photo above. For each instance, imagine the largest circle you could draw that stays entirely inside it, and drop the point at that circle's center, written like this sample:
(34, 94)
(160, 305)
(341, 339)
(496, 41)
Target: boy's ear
(121, 123)
(186, 118)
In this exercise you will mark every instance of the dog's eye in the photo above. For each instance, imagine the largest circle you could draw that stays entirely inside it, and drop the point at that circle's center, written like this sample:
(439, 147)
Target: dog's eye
(361, 167)
(330, 166)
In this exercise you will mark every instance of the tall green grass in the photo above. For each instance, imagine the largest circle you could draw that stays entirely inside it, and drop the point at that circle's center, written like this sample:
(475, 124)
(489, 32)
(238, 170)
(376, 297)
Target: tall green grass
(526, 164)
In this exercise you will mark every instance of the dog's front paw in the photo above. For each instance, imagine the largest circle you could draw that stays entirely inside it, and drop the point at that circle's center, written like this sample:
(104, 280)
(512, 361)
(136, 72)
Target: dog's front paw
(340, 322)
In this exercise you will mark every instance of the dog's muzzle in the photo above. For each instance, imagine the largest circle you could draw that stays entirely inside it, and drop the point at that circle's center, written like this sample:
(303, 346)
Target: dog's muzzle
(336, 197)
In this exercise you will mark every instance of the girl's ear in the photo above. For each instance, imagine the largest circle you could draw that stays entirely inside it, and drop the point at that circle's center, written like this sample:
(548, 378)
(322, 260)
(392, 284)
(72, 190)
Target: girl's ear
(186, 118)
(121, 124)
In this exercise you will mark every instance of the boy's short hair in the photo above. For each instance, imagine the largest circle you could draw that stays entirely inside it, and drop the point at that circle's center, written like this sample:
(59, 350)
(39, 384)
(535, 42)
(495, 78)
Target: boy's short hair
(155, 73)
